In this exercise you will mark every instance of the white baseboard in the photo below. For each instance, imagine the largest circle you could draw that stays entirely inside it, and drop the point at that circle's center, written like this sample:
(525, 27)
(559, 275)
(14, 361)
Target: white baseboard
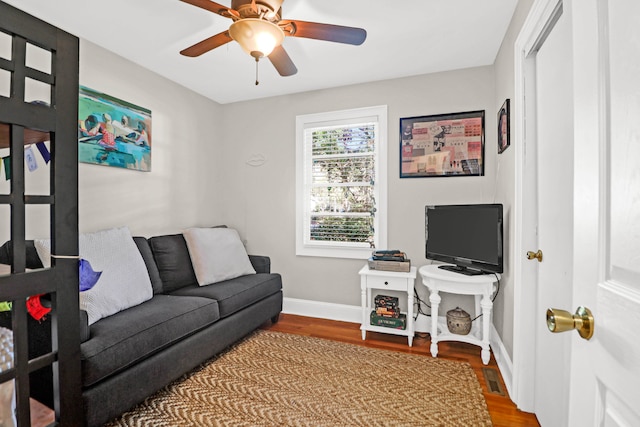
(505, 365)
(353, 313)
(322, 310)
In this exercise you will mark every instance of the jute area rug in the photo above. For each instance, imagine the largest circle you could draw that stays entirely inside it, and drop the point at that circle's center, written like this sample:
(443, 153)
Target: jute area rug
(277, 379)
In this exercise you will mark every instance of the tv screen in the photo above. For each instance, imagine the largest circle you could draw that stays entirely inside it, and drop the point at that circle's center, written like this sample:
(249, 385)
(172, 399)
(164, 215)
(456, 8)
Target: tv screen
(467, 236)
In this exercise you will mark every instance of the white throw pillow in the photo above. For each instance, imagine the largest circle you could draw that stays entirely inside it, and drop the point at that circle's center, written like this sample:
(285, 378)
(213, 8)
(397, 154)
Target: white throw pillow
(124, 281)
(217, 254)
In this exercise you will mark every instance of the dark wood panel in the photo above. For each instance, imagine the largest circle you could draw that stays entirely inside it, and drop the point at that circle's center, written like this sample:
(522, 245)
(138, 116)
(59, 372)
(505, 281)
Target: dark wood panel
(39, 33)
(30, 136)
(64, 186)
(23, 284)
(20, 122)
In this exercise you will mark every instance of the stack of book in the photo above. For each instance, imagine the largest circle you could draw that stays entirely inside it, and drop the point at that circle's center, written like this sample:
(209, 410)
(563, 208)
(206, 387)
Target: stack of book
(389, 260)
(387, 313)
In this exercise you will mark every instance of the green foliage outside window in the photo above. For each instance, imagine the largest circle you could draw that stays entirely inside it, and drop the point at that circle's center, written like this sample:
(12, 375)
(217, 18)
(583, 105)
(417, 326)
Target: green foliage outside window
(342, 202)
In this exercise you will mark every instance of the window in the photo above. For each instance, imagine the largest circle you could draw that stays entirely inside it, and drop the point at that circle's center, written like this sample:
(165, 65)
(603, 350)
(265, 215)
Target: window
(341, 160)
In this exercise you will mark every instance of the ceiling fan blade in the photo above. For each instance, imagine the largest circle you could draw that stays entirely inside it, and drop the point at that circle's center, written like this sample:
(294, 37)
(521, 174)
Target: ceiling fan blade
(282, 62)
(213, 7)
(207, 44)
(328, 32)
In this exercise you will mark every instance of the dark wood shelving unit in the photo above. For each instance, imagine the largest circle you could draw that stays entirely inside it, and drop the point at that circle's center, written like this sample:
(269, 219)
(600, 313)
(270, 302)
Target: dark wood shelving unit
(23, 123)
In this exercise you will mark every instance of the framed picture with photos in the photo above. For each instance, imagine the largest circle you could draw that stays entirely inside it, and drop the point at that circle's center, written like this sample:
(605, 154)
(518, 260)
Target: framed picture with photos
(442, 145)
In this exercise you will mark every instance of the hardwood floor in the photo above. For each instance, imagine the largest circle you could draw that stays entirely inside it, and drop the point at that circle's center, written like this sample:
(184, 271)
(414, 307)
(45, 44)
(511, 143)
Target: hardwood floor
(503, 411)
(41, 415)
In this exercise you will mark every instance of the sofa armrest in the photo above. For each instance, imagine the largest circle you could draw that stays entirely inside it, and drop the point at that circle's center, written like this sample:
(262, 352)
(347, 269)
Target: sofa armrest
(85, 330)
(260, 263)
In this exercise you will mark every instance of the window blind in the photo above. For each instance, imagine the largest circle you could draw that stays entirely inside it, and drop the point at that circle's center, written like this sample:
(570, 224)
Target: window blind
(341, 184)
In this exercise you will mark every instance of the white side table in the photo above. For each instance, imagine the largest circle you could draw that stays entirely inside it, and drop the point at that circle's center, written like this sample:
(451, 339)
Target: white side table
(482, 287)
(388, 280)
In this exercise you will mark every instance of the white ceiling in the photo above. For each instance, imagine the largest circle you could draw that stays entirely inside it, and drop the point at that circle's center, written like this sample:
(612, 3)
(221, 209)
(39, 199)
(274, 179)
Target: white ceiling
(404, 38)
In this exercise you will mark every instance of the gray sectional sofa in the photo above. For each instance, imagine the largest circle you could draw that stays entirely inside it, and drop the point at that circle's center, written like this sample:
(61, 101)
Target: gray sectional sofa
(131, 354)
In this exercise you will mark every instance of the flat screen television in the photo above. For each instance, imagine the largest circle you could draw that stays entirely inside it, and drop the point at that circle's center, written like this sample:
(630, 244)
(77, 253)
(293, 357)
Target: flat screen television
(467, 236)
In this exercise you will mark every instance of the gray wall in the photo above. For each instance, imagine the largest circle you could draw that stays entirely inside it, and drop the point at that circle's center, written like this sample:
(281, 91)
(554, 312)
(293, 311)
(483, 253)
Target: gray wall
(505, 168)
(179, 191)
(260, 201)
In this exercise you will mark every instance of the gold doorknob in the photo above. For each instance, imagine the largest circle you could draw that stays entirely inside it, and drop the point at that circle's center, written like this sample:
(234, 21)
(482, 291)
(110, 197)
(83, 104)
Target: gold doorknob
(562, 320)
(535, 255)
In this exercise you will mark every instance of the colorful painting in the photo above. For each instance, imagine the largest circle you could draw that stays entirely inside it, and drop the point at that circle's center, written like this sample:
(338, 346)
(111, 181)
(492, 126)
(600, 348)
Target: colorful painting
(113, 132)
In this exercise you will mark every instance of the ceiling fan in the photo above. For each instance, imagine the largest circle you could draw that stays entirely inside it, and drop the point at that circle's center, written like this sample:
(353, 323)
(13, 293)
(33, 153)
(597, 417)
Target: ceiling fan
(259, 29)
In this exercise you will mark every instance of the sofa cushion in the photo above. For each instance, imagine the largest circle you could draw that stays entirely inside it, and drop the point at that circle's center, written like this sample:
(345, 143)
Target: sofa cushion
(120, 341)
(124, 281)
(32, 258)
(261, 263)
(217, 254)
(235, 294)
(173, 261)
(147, 255)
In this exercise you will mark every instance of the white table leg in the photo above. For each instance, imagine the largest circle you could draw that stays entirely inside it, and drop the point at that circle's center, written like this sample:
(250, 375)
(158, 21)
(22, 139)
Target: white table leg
(434, 299)
(410, 325)
(364, 305)
(486, 323)
(478, 307)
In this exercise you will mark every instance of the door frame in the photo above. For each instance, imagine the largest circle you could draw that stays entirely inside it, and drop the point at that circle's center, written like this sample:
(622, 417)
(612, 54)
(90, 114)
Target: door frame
(537, 26)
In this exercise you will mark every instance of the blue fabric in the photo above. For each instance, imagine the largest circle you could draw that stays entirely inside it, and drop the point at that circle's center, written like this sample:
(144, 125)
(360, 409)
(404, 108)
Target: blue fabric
(88, 277)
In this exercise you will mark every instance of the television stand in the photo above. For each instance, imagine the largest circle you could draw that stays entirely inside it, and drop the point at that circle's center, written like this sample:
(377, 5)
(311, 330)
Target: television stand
(462, 270)
(482, 287)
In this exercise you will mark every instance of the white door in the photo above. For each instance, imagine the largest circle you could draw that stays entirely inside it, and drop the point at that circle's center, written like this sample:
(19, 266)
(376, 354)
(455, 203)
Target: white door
(603, 374)
(605, 371)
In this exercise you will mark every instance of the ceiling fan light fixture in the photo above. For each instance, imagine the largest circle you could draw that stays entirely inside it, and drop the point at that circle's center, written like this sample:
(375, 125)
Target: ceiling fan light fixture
(256, 36)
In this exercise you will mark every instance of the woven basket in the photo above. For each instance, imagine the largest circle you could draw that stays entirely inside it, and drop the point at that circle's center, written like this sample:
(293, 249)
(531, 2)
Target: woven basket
(458, 321)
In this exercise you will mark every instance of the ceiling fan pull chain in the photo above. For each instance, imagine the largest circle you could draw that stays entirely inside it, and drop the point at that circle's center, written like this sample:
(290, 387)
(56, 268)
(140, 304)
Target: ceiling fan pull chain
(257, 82)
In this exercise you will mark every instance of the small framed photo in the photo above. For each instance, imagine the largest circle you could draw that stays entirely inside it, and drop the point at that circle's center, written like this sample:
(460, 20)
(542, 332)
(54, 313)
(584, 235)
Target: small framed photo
(442, 145)
(504, 125)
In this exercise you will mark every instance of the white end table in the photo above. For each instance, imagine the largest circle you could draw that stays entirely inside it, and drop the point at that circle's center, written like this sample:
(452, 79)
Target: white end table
(481, 286)
(389, 280)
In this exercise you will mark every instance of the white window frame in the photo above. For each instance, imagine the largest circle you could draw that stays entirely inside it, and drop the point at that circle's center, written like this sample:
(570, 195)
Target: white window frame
(304, 246)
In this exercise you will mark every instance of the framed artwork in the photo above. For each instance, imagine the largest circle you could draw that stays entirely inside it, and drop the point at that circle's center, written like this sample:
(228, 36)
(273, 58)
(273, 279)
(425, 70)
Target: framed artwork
(504, 125)
(113, 132)
(442, 145)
